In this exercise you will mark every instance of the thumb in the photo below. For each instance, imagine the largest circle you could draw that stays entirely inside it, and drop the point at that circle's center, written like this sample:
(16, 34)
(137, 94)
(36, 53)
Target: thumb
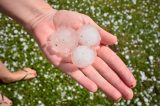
(106, 37)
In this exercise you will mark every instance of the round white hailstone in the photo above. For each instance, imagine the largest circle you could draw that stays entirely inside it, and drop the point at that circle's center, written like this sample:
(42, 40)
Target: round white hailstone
(83, 56)
(89, 36)
(63, 41)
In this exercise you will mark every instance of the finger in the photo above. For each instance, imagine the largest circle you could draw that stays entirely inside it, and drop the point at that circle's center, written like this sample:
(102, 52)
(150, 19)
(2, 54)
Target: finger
(117, 65)
(106, 37)
(106, 87)
(77, 75)
(112, 78)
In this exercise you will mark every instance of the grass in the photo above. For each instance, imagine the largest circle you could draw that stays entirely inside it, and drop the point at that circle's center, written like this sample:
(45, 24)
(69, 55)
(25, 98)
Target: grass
(136, 23)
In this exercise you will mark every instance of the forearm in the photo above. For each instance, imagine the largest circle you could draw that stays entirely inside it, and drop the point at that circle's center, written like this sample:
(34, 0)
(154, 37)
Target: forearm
(25, 11)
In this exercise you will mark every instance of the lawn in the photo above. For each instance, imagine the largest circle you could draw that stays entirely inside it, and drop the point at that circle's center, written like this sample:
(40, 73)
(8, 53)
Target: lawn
(136, 23)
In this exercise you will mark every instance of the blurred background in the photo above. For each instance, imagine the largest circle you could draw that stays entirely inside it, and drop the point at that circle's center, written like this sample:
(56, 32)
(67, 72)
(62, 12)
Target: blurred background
(136, 23)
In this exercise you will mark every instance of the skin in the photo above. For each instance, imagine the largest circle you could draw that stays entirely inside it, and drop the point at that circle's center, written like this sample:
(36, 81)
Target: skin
(7, 76)
(108, 73)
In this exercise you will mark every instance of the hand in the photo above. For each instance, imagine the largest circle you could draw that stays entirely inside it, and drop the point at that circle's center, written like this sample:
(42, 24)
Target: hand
(107, 73)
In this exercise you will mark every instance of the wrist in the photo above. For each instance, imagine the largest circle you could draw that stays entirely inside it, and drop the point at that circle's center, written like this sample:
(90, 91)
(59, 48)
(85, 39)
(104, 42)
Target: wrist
(33, 20)
(41, 26)
(25, 11)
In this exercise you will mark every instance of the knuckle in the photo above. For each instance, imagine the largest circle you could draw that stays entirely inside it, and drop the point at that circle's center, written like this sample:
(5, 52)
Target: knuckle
(77, 25)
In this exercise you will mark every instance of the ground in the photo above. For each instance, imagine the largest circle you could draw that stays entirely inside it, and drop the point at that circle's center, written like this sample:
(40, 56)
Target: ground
(136, 23)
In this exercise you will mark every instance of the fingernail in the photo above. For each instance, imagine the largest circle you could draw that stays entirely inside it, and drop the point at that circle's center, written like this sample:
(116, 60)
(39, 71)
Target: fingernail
(119, 99)
(116, 43)
(131, 86)
(33, 68)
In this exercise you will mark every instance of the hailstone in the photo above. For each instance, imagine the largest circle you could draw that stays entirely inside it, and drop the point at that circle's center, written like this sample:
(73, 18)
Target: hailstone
(89, 36)
(83, 56)
(63, 41)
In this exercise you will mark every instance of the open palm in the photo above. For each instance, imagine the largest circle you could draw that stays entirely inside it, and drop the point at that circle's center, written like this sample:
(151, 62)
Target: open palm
(107, 73)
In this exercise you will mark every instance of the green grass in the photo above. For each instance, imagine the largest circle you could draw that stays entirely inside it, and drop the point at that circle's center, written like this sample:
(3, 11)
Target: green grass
(137, 26)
